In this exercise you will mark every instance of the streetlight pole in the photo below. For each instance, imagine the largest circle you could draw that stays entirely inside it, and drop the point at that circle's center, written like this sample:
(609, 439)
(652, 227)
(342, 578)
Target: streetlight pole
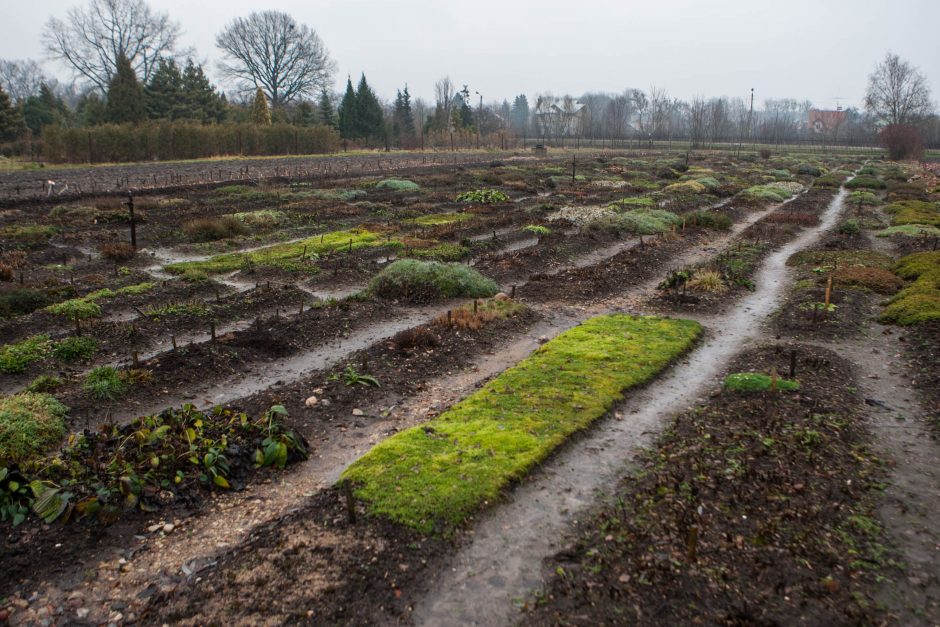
(479, 118)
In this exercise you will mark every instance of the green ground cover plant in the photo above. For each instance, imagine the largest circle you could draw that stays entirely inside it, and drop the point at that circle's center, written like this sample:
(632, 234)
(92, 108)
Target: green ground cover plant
(437, 219)
(17, 357)
(916, 212)
(483, 196)
(441, 472)
(413, 280)
(286, 256)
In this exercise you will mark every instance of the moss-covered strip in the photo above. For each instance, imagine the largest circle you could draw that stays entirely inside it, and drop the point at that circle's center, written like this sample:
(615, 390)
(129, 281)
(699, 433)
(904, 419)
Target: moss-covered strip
(280, 254)
(444, 470)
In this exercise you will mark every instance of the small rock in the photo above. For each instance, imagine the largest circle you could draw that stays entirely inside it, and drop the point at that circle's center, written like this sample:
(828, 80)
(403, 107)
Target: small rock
(168, 528)
(543, 339)
(155, 528)
(310, 402)
(325, 402)
(501, 296)
(358, 412)
(82, 613)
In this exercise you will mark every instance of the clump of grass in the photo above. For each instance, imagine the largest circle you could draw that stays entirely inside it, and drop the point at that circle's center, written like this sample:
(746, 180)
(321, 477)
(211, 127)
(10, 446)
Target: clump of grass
(344, 195)
(118, 252)
(708, 281)
(398, 185)
(443, 471)
(757, 382)
(685, 187)
(863, 198)
(286, 256)
(105, 383)
(136, 290)
(807, 169)
(537, 229)
(75, 347)
(17, 357)
(476, 315)
(634, 202)
(639, 222)
(31, 424)
(920, 301)
(841, 259)
(412, 280)
(212, 229)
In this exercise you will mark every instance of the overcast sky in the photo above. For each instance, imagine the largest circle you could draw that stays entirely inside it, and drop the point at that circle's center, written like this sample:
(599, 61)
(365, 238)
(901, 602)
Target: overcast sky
(804, 49)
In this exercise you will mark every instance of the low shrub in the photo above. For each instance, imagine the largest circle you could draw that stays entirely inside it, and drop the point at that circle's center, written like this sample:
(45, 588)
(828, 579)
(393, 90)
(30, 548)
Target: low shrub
(261, 220)
(416, 281)
(910, 230)
(757, 382)
(807, 169)
(862, 199)
(830, 180)
(22, 301)
(866, 182)
(31, 424)
(212, 229)
(415, 338)
(28, 233)
(442, 252)
(715, 220)
(849, 227)
(118, 252)
(477, 314)
(398, 185)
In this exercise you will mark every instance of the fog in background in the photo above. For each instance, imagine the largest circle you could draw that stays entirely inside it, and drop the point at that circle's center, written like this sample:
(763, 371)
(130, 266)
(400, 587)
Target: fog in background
(816, 50)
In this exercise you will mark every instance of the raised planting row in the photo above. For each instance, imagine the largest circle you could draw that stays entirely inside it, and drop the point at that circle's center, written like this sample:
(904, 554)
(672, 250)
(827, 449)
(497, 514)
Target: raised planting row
(756, 507)
(441, 472)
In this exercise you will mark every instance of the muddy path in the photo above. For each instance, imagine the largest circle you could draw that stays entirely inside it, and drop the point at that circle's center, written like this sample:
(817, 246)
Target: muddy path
(499, 563)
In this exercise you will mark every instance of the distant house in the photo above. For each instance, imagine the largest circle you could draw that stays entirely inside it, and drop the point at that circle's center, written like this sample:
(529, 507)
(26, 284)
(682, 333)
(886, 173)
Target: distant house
(822, 121)
(559, 116)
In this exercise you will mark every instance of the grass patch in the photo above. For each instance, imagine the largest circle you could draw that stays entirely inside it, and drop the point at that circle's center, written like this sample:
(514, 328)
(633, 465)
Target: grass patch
(634, 202)
(286, 256)
(920, 301)
(212, 229)
(398, 185)
(75, 347)
(715, 220)
(910, 230)
(29, 233)
(874, 279)
(17, 357)
(442, 252)
(757, 382)
(637, 221)
(483, 196)
(445, 470)
(30, 425)
(865, 181)
(261, 220)
(105, 383)
(423, 281)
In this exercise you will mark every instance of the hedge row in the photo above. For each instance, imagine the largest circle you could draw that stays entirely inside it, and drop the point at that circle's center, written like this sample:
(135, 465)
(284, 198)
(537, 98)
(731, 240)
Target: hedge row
(111, 143)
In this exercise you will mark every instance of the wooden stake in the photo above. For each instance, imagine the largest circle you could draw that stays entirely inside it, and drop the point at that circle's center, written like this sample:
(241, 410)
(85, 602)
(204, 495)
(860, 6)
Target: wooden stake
(793, 363)
(773, 380)
(350, 502)
(135, 359)
(692, 543)
(173, 341)
(513, 294)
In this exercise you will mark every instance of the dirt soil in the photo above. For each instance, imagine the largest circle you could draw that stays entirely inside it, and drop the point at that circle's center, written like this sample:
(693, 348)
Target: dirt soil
(753, 509)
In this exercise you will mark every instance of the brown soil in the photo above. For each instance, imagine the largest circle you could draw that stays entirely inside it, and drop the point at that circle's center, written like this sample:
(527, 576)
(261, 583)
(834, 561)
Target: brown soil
(742, 515)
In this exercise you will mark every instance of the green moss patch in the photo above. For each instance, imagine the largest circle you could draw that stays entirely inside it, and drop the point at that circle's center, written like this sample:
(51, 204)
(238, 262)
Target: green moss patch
(30, 425)
(286, 256)
(914, 212)
(443, 471)
(919, 302)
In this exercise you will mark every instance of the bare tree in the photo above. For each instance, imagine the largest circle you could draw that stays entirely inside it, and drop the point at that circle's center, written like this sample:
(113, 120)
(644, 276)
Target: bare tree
(660, 112)
(698, 120)
(272, 51)
(444, 92)
(21, 79)
(92, 39)
(897, 92)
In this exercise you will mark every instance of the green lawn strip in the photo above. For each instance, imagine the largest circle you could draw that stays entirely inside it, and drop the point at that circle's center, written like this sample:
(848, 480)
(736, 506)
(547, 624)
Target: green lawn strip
(279, 254)
(444, 470)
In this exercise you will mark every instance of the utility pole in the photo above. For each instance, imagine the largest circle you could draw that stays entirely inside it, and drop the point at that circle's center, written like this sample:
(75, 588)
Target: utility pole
(750, 118)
